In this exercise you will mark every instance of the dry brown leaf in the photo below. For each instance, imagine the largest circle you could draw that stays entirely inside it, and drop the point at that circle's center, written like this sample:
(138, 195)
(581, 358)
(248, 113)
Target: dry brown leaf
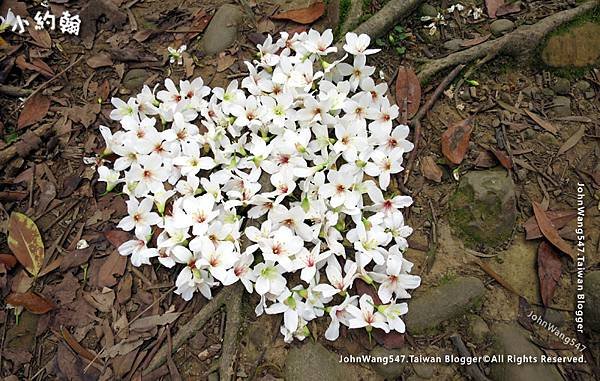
(507, 9)
(492, 7)
(549, 270)
(224, 61)
(542, 123)
(455, 141)
(408, 91)
(41, 37)
(34, 110)
(559, 218)
(503, 158)
(25, 242)
(572, 141)
(42, 67)
(78, 348)
(24, 65)
(484, 160)
(146, 323)
(117, 237)
(550, 232)
(99, 60)
(113, 265)
(32, 302)
(304, 15)
(430, 169)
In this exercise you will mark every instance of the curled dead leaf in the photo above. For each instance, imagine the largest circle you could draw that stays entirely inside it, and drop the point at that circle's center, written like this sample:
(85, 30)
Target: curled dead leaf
(304, 15)
(559, 218)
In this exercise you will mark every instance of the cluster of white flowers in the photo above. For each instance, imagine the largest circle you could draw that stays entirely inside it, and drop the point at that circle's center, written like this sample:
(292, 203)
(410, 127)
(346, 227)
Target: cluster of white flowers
(432, 23)
(285, 173)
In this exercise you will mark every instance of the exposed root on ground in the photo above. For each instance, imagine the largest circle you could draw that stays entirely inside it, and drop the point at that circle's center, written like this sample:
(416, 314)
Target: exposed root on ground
(520, 41)
(231, 299)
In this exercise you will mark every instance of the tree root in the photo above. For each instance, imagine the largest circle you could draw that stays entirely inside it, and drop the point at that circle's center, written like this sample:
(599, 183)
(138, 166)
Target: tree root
(472, 370)
(26, 143)
(382, 21)
(522, 40)
(231, 299)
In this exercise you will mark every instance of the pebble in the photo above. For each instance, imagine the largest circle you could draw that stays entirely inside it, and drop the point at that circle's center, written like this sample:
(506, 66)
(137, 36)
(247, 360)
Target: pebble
(592, 293)
(428, 10)
(501, 26)
(582, 86)
(562, 86)
(589, 94)
(555, 317)
(529, 133)
(135, 78)
(393, 369)
(478, 328)
(561, 106)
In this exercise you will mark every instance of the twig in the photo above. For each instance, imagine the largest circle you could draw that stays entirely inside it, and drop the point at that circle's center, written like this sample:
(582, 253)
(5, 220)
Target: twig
(472, 369)
(13, 91)
(416, 121)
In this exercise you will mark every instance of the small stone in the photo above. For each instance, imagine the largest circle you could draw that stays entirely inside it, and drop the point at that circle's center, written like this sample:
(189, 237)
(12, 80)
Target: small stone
(591, 284)
(511, 339)
(483, 208)
(393, 369)
(464, 96)
(445, 302)
(134, 79)
(222, 31)
(214, 376)
(501, 26)
(529, 133)
(478, 329)
(562, 86)
(582, 86)
(424, 370)
(555, 317)
(496, 122)
(589, 94)
(428, 10)
(561, 106)
(453, 45)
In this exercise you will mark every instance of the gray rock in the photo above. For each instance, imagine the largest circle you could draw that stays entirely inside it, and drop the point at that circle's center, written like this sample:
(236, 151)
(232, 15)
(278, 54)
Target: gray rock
(313, 362)
(428, 10)
(529, 133)
(549, 139)
(483, 208)
(591, 286)
(561, 106)
(546, 91)
(511, 339)
(501, 26)
(582, 86)
(222, 30)
(392, 370)
(478, 329)
(424, 370)
(214, 376)
(589, 94)
(578, 46)
(451, 300)
(562, 86)
(134, 79)
(453, 45)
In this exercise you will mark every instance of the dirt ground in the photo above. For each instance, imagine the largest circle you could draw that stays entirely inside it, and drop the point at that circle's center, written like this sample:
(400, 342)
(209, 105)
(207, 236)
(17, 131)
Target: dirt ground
(97, 293)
